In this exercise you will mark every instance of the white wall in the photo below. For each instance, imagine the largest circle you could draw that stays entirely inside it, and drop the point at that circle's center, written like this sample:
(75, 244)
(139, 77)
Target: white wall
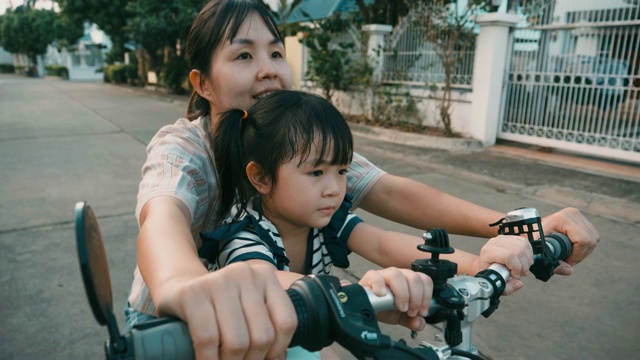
(5, 56)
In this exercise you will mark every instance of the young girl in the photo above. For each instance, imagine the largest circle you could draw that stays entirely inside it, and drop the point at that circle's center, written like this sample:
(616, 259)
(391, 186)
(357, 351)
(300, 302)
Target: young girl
(237, 57)
(287, 159)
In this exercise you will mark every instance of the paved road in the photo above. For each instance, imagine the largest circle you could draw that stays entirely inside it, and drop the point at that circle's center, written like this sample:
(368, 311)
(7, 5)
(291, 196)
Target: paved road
(62, 142)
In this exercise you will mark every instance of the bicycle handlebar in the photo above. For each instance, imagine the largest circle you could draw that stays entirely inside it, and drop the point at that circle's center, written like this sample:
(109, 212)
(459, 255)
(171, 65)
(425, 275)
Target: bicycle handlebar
(559, 245)
(327, 312)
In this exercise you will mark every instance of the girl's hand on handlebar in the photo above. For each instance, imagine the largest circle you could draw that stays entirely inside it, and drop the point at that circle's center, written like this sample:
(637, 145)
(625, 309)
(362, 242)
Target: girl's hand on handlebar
(412, 292)
(581, 232)
(238, 312)
(512, 251)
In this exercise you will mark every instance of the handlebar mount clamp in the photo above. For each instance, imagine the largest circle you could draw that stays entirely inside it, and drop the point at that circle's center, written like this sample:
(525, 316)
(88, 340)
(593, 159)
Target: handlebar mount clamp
(527, 221)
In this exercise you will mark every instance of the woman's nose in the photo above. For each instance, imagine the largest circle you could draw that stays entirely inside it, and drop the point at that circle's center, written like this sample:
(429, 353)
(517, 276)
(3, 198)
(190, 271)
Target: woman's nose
(267, 70)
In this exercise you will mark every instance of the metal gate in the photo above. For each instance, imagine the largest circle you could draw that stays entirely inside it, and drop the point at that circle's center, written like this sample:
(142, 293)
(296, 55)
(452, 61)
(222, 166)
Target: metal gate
(573, 81)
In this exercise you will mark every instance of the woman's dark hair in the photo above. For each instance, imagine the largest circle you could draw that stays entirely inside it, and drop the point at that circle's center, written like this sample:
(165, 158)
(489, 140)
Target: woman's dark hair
(218, 22)
(278, 128)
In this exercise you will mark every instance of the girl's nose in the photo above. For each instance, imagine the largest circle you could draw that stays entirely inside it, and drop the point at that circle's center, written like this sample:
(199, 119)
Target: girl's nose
(332, 187)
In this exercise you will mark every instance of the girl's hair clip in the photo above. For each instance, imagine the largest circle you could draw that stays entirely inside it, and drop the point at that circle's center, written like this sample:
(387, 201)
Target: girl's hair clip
(245, 114)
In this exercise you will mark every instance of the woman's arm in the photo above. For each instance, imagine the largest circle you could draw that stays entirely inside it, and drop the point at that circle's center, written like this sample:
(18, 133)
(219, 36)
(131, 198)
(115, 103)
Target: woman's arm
(415, 204)
(167, 254)
(239, 311)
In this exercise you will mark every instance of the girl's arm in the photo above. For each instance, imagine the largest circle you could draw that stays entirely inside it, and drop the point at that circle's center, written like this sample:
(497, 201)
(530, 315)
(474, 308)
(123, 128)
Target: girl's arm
(216, 306)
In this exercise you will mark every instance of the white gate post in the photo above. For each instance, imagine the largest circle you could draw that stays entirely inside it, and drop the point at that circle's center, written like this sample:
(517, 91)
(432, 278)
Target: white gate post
(375, 45)
(489, 67)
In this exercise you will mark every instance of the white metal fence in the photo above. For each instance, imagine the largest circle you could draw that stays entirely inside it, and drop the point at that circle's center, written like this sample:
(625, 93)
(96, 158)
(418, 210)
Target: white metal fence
(409, 58)
(574, 81)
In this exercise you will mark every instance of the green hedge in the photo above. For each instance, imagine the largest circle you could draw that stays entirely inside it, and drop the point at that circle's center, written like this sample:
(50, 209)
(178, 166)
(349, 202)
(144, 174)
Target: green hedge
(120, 74)
(7, 69)
(57, 70)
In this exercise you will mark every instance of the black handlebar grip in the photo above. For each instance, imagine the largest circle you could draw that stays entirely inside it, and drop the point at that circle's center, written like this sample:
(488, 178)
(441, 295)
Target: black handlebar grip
(166, 341)
(169, 338)
(314, 325)
(560, 245)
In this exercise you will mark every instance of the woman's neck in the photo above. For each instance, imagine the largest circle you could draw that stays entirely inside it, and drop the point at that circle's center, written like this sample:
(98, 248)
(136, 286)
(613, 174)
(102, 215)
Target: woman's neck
(214, 120)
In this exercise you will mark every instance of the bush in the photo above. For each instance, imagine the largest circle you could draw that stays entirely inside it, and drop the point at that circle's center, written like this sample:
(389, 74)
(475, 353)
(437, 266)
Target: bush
(57, 70)
(7, 69)
(120, 74)
(173, 75)
(131, 72)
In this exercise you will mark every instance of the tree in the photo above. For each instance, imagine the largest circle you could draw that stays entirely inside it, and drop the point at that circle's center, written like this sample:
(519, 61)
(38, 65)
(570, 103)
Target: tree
(450, 28)
(331, 66)
(66, 32)
(387, 12)
(161, 28)
(29, 31)
(110, 16)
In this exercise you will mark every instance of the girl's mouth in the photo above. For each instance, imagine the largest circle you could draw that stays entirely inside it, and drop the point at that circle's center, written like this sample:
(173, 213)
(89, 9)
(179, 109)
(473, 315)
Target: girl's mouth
(327, 210)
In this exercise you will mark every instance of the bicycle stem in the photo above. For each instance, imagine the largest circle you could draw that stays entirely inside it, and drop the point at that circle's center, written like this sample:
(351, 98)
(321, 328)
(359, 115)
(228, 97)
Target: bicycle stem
(479, 293)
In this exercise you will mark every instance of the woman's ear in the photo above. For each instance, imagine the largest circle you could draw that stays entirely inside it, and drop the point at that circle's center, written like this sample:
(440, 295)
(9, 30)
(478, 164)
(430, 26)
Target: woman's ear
(199, 83)
(258, 178)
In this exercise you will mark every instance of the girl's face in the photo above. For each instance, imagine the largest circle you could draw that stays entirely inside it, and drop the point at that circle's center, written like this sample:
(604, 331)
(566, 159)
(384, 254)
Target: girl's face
(251, 66)
(305, 195)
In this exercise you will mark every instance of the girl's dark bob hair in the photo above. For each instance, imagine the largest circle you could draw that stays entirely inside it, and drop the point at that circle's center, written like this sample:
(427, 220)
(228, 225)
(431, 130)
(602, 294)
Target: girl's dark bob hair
(277, 129)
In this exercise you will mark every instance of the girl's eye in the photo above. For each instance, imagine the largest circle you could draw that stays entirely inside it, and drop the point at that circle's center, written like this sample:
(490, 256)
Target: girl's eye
(342, 172)
(316, 173)
(277, 55)
(244, 56)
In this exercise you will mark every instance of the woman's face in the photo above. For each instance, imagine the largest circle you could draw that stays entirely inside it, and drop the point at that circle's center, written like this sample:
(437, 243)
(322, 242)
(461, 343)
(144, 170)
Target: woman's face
(251, 66)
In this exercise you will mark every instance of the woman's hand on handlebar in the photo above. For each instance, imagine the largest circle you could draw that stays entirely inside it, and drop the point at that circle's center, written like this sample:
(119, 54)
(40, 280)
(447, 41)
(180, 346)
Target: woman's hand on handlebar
(512, 251)
(240, 311)
(412, 292)
(579, 230)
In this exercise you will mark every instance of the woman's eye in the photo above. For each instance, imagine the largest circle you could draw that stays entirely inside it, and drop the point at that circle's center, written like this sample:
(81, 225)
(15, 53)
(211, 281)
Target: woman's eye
(342, 172)
(244, 56)
(277, 55)
(316, 173)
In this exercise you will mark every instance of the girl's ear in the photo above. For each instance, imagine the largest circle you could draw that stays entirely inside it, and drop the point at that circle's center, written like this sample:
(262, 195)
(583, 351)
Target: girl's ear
(258, 178)
(199, 83)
